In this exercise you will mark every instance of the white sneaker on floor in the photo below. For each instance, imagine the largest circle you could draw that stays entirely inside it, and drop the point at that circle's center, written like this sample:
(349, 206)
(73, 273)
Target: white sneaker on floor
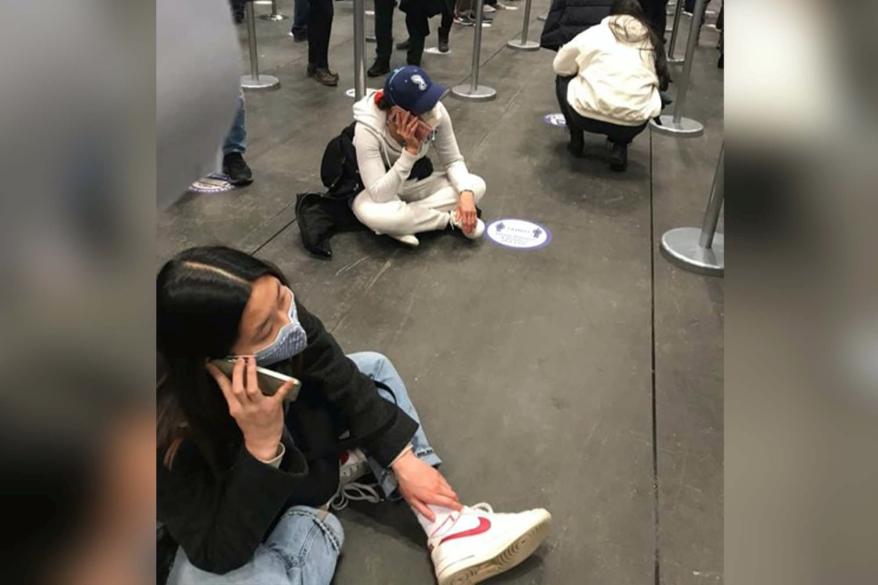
(473, 235)
(353, 466)
(481, 544)
(409, 240)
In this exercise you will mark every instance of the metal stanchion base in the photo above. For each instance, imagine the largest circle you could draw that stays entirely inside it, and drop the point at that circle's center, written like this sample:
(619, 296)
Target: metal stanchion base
(273, 17)
(681, 246)
(542, 17)
(481, 93)
(261, 82)
(686, 127)
(526, 46)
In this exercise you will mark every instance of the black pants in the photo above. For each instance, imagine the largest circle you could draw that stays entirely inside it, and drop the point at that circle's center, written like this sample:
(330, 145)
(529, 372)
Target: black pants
(319, 29)
(657, 14)
(577, 123)
(384, 29)
(417, 21)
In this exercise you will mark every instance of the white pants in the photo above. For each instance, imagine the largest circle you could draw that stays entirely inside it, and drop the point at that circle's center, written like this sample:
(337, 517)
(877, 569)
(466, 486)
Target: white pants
(422, 206)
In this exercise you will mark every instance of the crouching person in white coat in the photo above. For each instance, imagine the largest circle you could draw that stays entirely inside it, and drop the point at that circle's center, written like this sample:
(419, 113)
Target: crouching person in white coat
(390, 138)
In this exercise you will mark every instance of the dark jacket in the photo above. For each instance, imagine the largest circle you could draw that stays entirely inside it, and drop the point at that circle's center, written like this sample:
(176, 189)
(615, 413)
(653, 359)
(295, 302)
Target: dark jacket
(220, 520)
(568, 18)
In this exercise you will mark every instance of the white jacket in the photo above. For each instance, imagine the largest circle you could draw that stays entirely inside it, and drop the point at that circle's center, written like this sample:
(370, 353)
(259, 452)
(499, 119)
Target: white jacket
(615, 81)
(377, 150)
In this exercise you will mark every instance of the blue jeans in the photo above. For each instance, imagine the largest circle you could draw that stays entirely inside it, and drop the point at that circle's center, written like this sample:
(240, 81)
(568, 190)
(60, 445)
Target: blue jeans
(236, 139)
(304, 546)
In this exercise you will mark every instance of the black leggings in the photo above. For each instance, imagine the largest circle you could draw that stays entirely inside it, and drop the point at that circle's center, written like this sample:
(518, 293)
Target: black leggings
(319, 29)
(617, 133)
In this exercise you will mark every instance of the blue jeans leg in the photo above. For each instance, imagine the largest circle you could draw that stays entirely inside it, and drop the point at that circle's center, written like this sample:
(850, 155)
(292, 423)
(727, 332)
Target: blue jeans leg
(379, 368)
(236, 139)
(301, 550)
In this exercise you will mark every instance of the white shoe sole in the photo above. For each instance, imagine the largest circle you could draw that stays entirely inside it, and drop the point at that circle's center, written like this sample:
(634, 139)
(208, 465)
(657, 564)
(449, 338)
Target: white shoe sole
(506, 558)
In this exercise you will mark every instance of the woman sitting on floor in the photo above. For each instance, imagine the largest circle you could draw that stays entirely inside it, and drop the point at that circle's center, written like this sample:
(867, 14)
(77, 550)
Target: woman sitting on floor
(245, 480)
(609, 79)
(395, 129)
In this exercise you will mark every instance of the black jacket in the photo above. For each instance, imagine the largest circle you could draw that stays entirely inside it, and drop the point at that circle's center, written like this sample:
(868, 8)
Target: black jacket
(220, 521)
(568, 18)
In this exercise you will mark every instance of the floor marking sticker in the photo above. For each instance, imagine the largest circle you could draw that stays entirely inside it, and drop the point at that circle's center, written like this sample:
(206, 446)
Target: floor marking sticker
(518, 233)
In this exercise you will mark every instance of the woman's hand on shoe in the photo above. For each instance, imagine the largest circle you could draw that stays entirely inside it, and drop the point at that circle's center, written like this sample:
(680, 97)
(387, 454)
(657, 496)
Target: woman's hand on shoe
(466, 211)
(421, 485)
(260, 417)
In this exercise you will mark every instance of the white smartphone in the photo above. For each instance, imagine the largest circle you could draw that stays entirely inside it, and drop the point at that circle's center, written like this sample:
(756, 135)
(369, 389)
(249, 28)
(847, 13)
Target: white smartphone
(269, 380)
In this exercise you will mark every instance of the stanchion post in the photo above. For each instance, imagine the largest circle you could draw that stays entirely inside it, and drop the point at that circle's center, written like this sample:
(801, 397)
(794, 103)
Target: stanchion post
(474, 91)
(359, 49)
(255, 80)
(701, 249)
(523, 44)
(275, 15)
(677, 124)
(678, 11)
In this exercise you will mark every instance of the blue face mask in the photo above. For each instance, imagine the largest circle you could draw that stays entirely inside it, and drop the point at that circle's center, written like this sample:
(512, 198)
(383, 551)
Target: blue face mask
(290, 340)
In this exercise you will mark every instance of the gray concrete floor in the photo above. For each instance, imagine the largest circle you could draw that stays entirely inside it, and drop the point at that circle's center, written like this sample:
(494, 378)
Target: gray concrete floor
(585, 377)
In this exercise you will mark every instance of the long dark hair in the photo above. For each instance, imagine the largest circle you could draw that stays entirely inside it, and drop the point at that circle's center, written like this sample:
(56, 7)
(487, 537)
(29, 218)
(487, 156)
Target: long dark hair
(633, 9)
(200, 298)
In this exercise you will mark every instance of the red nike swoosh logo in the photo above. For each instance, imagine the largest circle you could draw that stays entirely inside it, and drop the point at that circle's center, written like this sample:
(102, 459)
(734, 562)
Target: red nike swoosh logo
(484, 526)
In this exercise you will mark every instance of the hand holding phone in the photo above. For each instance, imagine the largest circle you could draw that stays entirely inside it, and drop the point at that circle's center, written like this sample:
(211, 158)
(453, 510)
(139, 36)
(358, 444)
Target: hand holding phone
(260, 417)
(411, 128)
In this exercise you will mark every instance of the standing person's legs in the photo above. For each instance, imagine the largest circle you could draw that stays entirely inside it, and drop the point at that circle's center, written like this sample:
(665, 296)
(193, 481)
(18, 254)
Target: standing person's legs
(236, 139)
(380, 369)
(383, 37)
(319, 29)
(418, 28)
(302, 549)
(445, 25)
(301, 14)
(234, 166)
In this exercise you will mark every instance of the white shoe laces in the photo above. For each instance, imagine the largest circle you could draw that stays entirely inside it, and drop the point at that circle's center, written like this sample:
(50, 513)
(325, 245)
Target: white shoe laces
(354, 492)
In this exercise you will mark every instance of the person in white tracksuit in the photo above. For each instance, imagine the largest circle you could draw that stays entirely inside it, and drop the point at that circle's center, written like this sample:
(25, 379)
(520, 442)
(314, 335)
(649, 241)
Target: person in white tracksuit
(388, 147)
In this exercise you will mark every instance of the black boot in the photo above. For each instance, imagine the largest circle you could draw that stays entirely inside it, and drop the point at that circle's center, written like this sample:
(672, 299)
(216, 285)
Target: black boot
(403, 46)
(618, 156)
(443, 42)
(237, 170)
(379, 67)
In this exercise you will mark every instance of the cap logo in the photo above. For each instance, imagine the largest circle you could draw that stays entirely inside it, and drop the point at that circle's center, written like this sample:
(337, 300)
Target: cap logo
(419, 81)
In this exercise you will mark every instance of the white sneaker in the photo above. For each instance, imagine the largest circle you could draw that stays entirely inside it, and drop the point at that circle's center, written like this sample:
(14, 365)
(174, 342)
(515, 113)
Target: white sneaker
(481, 544)
(353, 467)
(409, 240)
(488, 9)
(473, 235)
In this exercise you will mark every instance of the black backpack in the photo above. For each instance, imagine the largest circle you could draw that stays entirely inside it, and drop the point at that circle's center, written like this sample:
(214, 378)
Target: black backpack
(338, 169)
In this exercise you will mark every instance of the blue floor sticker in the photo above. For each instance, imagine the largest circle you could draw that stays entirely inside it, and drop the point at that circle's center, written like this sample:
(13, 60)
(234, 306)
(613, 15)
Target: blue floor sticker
(556, 120)
(518, 233)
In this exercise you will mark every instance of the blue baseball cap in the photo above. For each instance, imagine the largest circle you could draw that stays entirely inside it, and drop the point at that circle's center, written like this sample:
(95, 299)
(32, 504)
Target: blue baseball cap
(411, 89)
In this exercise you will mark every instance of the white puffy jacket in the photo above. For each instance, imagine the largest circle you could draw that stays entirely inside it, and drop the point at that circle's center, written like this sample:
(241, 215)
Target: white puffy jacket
(615, 80)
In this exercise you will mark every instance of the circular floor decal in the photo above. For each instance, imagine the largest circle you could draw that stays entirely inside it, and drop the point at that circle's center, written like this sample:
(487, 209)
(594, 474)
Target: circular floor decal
(518, 233)
(214, 183)
(556, 120)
